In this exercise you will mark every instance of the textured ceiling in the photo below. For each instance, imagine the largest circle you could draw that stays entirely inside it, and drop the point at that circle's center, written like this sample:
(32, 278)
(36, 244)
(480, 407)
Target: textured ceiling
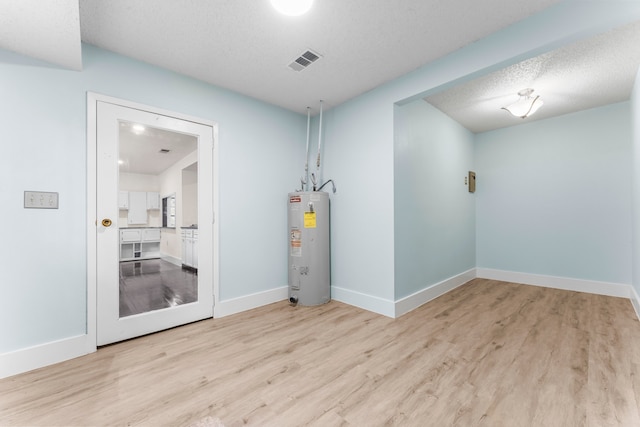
(587, 74)
(246, 46)
(47, 30)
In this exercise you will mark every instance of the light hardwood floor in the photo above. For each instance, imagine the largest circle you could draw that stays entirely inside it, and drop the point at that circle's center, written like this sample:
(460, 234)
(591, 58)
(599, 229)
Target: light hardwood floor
(488, 354)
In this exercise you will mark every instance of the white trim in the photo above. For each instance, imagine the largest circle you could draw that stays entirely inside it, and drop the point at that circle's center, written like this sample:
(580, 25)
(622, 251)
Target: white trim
(215, 220)
(635, 301)
(38, 356)
(92, 217)
(171, 259)
(149, 108)
(248, 302)
(415, 300)
(566, 283)
(364, 301)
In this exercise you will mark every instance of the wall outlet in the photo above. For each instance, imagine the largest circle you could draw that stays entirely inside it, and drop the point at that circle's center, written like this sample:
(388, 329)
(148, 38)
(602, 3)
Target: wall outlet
(40, 200)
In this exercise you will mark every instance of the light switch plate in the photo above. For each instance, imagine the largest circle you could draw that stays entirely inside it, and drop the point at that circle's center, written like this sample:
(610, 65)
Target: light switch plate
(40, 200)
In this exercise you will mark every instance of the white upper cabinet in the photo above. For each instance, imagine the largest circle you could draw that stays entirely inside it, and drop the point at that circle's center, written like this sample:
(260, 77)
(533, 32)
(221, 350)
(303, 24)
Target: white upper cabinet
(153, 200)
(123, 200)
(137, 208)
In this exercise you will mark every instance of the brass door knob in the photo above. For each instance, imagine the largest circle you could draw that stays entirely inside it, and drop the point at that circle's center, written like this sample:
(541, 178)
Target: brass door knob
(106, 222)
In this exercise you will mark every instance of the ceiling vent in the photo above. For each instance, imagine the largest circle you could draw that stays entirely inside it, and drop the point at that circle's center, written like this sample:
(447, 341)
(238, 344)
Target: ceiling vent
(304, 60)
(164, 151)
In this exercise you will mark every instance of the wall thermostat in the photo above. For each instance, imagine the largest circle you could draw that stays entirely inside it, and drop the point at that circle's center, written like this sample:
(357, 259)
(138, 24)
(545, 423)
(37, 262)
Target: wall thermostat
(472, 182)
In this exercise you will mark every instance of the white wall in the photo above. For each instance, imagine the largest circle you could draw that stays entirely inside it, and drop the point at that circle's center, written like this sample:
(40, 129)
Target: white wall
(434, 211)
(554, 196)
(189, 197)
(44, 149)
(171, 182)
(138, 182)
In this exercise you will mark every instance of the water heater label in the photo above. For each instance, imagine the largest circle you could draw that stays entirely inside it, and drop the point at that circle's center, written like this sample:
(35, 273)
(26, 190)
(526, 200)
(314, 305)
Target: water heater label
(309, 220)
(296, 242)
(295, 199)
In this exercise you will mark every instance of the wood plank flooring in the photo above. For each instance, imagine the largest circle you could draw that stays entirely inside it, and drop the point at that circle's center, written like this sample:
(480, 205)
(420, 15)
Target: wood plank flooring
(486, 354)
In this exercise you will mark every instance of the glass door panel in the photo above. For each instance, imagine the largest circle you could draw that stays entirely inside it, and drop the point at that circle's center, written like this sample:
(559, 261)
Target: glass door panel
(148, 278)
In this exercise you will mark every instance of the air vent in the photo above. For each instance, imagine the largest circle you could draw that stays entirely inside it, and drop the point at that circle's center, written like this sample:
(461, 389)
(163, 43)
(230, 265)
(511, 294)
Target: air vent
(164, 151)
(304, 60)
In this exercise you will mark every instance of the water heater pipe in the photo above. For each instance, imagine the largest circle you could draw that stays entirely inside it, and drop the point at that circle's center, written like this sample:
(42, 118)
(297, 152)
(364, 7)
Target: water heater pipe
(305, 186)
(319, 141)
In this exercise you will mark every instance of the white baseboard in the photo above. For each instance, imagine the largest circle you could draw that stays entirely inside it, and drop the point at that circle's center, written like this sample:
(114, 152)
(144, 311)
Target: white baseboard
(248, 302)
(565, 283)
(39, 356)
(635, 301)
(170, 258)
(415, 300)
(364, 301)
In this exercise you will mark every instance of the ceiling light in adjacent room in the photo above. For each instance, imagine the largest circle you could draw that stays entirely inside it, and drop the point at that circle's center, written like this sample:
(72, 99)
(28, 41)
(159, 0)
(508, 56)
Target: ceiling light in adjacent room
(292, 7)
(526, 105)
(138, 128)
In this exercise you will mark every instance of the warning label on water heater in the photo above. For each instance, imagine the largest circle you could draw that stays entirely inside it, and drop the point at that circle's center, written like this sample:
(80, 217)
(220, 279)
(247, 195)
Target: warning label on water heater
(295, 199)
(309, 220)
(296, 242)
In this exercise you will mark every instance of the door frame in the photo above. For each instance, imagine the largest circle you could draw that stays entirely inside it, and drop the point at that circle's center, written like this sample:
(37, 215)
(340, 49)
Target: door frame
(92, 219)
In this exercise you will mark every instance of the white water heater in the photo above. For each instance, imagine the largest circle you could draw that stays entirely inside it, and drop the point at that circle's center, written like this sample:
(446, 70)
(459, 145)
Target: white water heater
(309, 251)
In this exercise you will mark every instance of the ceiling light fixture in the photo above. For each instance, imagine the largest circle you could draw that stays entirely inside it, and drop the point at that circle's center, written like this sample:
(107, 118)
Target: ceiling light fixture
(292, 7)
(526, 105)
(138, 128)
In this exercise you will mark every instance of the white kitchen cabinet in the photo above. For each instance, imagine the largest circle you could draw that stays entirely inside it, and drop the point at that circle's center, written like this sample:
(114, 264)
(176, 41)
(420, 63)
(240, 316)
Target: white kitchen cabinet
(150, 235)
(137, 214)
(139, 243)
(123, 200)
(153, 200)
(194, 250)
(190, 248)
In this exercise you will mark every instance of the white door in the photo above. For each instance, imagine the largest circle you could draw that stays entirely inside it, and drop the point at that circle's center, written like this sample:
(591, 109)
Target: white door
(113, 121)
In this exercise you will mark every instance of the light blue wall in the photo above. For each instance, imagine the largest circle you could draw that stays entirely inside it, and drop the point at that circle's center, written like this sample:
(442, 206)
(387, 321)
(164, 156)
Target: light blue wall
(44, 148)
(359, 136)
(43, 140)
(554, 196)
(360, 160)
(635, 122)
(434, 211)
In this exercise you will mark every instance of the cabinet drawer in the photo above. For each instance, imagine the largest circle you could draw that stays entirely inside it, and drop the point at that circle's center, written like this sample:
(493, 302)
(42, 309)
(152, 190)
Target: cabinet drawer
(151, 235)
(130, 235)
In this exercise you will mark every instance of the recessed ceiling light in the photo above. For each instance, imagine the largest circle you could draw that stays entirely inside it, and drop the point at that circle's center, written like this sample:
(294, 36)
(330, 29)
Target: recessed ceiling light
(292, 7)
(138, 128)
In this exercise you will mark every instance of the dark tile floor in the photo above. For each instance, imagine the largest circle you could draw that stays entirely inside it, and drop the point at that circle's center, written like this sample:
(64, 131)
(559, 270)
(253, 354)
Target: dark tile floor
(153, 284)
